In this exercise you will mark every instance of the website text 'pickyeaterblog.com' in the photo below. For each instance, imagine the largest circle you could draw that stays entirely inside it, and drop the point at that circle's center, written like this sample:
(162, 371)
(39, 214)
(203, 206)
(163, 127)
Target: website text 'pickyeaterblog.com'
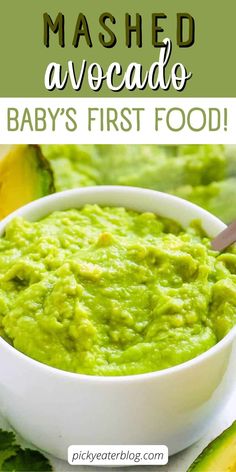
(118, 455)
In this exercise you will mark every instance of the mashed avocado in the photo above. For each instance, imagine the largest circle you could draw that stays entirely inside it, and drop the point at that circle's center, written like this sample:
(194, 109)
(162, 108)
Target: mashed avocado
(108, 291)
(203, 174)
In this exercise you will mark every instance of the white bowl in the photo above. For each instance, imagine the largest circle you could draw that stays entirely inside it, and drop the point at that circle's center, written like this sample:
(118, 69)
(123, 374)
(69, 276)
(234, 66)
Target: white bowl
(54, 409)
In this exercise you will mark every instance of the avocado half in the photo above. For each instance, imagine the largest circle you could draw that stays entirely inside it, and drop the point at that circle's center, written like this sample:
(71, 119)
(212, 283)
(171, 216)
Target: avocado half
(25, 175)
(219, 455)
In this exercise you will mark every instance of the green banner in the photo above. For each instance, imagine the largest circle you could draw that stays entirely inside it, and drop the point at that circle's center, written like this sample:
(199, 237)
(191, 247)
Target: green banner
(41, 40)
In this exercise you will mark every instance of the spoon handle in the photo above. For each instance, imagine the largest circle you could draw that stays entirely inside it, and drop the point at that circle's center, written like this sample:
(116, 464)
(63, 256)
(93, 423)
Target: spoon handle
(225, 238)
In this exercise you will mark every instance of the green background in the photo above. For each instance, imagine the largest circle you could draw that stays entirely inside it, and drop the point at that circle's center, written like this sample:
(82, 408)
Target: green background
(24, 57)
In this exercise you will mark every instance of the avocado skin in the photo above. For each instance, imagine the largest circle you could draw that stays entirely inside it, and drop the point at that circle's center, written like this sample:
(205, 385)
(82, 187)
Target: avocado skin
(215, 450)
(43, 166)
(25, 175)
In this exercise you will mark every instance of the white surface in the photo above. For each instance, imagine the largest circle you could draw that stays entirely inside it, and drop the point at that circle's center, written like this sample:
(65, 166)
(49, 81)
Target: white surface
(53, 408)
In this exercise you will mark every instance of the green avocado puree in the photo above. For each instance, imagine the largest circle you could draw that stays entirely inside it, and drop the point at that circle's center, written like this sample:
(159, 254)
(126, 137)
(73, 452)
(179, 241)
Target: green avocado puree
(203, 174)
(108, 291)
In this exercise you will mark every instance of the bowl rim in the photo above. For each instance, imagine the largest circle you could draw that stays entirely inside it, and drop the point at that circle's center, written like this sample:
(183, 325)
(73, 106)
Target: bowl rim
(134, 378)
(35, 205)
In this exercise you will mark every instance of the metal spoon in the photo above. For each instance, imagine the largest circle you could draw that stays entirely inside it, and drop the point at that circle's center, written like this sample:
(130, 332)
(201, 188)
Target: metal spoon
(225, 238)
